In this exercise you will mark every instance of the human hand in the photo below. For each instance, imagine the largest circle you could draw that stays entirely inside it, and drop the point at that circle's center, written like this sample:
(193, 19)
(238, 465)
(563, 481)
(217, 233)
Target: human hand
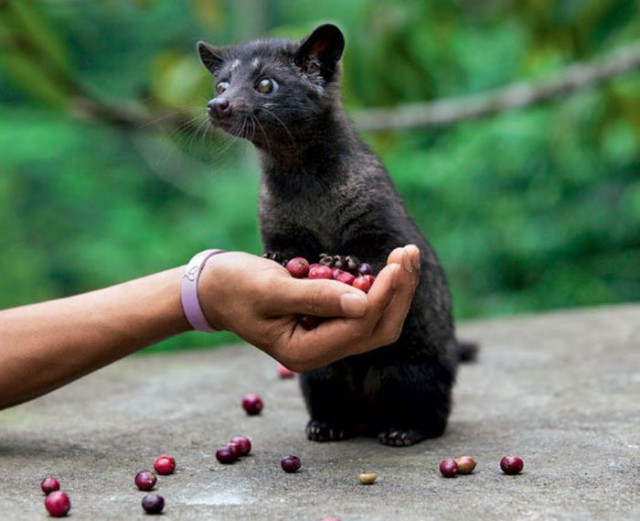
(258, 300)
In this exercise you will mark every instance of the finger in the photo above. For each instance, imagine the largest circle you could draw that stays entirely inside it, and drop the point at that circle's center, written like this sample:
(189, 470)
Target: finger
(390, 325)
(322, 298)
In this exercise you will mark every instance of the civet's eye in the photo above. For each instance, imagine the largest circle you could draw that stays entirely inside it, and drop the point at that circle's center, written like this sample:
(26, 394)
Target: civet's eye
(221, 87)
(267, 86)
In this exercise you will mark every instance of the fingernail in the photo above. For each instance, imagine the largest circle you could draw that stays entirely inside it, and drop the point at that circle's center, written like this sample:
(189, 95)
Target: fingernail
(415, 252)
(407, 262)
(353, 305)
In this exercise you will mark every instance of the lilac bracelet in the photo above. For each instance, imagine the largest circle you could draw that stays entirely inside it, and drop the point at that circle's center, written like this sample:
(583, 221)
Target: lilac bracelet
(189, 292)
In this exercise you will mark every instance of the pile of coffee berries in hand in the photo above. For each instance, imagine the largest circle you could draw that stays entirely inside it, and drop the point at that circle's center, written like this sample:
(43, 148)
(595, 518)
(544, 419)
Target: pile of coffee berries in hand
(346, 269)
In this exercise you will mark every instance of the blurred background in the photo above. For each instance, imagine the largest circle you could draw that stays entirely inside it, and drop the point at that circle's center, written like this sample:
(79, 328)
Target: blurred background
(108, 170)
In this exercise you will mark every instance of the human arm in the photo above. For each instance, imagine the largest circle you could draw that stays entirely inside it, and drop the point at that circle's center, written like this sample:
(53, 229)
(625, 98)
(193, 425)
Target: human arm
(46, 345)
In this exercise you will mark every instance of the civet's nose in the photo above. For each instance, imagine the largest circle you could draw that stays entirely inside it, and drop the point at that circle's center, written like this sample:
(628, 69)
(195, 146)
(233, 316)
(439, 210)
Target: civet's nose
(219, 107)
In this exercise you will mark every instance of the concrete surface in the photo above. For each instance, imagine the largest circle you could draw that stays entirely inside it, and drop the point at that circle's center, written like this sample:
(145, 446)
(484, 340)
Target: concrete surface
(560, 390)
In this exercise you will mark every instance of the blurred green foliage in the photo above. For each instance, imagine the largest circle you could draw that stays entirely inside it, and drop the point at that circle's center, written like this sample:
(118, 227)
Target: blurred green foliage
(529, 210)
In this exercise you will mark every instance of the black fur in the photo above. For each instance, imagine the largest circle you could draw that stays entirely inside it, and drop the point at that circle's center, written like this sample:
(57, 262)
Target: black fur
(324, 190)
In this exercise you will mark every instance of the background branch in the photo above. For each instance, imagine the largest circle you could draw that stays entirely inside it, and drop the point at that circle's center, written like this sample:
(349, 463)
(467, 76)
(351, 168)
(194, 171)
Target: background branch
(445, 112)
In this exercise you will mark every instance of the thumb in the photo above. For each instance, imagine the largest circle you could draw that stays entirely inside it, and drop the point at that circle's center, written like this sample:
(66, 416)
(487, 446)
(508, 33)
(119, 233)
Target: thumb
(322, 298)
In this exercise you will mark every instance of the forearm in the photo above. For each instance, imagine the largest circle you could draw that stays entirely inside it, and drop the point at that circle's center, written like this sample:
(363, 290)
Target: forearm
(44, 346)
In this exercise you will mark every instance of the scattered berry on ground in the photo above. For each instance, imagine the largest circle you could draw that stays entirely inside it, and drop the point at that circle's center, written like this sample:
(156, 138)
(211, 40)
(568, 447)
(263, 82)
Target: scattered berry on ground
(367, 478)
(49, 484)
(153, 503)
(290, 463)
(164, 465)
(285, 372)
(57, 503)
(466, 464)
(145, 480)
(242, 445)
(511, 465)
(252, 404)
(448, 468)
(226, 455)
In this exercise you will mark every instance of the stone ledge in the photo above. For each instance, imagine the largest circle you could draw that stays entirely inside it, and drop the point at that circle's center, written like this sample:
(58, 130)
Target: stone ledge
(560, 390)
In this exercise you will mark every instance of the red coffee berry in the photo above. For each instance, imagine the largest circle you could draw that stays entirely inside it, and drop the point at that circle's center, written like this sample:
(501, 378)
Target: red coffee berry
(448, 468)
(309, 322)
(364, 282)
(153, 503)
(466, 464)
(511, 465)
(226, 455)
(145, 480)
(242, 445)
(49, 485)
(285, 372)
(290, 463)
(57, 503)
(320, 271)
(164, 465)
(343, 276)
(252, 404)
(364, 269)
(298, 267)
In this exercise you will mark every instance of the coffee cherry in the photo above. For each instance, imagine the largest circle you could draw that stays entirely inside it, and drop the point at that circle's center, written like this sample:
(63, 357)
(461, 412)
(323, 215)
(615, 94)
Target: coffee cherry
(320, 271)
(309, 322)
(367, 478)
(226, 455)
(290, 463)
(49, 485)
(57, 504)
(242, 445)
(351, 263)
(511, 465)
(364, 282)
(364, 269)
(466, 464)
(448, 468)
(285, 372)
(145, 480)
(298, 267)
(153, 503)
(252, 404)
(343, 276)
(164, 465)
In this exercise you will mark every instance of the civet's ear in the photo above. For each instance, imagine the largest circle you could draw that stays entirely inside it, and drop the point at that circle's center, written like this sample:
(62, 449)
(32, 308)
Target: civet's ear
(212, 57)
(321, 51)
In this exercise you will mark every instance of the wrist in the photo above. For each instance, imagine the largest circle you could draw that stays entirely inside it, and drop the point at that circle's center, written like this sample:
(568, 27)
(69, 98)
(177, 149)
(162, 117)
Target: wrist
(190, 294)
